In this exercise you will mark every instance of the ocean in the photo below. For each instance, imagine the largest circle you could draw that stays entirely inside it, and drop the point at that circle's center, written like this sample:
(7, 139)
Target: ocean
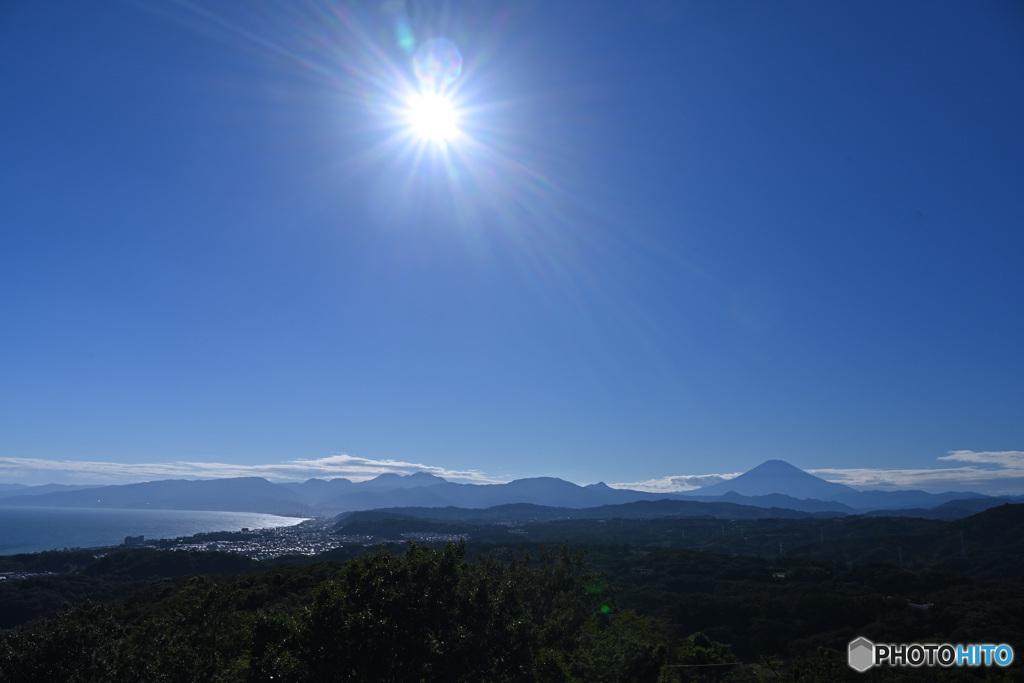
(32, 529)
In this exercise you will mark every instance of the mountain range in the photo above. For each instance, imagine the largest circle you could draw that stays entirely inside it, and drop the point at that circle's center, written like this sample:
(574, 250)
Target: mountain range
(772, 484)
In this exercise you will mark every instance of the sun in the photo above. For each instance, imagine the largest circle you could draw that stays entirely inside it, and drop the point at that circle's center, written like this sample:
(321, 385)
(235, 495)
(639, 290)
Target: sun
(432, 117)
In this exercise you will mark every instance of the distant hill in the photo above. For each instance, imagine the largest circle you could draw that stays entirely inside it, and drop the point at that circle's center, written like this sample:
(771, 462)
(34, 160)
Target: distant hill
(773, 478)
(987, 544)
(525, 512)
(317, 496)
(1002, 526)
(772, 485)
(954, 509)
(897, 500)
(777, 477)
(8, 490)
(780, 500)
(538, 490)
(242, 494)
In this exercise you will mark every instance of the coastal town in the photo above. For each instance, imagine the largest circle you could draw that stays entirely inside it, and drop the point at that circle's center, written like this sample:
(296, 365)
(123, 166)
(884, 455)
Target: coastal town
(311, 537)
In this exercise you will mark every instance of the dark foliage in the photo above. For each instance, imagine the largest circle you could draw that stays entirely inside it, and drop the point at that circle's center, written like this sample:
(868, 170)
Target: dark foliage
(423, 614)
(86, 576)
(520, 612)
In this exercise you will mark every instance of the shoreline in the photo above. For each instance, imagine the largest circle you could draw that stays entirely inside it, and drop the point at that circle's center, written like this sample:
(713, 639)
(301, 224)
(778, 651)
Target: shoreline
(26, 530)
(309, 537)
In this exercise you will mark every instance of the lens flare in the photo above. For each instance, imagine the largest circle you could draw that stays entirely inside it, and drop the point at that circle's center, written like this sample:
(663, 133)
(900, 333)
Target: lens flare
(432, 117)
(437, 63)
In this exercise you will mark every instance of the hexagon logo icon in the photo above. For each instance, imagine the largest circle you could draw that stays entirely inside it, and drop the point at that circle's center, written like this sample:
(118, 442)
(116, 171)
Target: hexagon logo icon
(861, 656)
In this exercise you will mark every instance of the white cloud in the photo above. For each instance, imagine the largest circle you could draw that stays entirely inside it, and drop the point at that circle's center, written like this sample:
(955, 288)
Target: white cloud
(36, 470)
(999, 473)
(989, 472)
(934, 480)
(1008, 459)
(1003, 474)
(676, 483)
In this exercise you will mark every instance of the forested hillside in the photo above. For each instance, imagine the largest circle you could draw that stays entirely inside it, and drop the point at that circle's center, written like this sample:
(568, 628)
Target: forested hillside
(420, 615)
(450, 613)
(989, 544)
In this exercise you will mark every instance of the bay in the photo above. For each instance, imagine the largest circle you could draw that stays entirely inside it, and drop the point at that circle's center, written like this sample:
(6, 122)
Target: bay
(35, 529)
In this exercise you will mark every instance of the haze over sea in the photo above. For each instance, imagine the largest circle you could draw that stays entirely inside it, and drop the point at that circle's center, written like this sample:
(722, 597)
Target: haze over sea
(32, 530)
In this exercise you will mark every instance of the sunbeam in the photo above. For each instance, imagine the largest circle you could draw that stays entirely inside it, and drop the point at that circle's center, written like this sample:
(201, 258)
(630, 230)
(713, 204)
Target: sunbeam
(433, 117)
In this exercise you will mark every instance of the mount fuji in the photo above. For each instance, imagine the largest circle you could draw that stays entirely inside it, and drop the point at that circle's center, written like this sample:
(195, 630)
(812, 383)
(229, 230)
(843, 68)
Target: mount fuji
(778, 476)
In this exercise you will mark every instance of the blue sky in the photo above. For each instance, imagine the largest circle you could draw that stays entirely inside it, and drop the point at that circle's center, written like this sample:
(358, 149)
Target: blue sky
(670, 239)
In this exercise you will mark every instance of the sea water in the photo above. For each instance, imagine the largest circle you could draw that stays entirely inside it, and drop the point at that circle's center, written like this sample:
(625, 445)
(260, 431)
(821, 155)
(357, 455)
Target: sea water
(34, 529)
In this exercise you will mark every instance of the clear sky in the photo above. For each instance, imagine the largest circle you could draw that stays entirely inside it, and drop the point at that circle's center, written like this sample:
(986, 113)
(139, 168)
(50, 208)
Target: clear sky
(668, 239)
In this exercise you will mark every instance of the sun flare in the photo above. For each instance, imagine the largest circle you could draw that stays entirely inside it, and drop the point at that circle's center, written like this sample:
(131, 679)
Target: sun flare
(433, 117)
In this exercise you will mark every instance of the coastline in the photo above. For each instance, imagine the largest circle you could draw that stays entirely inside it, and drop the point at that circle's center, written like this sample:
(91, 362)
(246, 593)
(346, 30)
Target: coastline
(25, 529)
